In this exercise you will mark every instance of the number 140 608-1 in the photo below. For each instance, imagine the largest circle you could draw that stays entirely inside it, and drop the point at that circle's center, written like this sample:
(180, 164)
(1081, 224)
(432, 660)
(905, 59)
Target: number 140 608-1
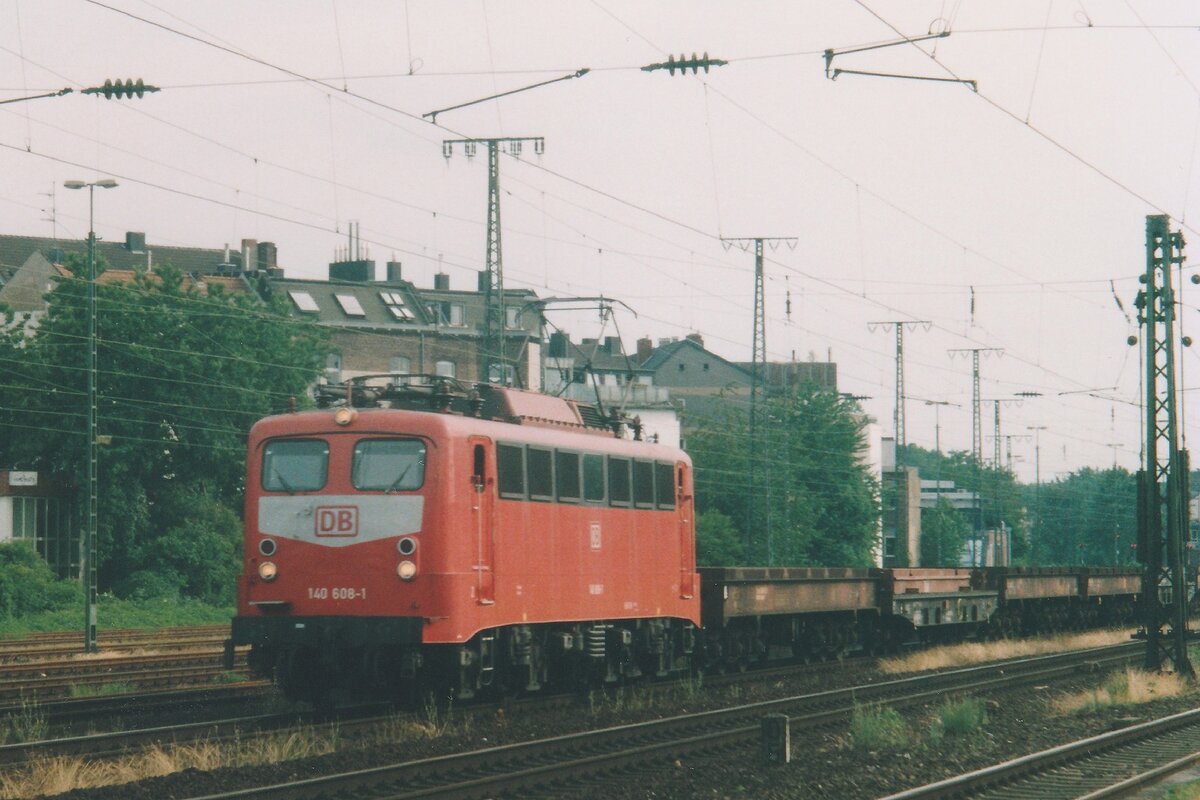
(336, 593)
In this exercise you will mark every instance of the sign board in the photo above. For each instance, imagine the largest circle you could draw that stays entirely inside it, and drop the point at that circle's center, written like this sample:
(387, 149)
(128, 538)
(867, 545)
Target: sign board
(22, 479)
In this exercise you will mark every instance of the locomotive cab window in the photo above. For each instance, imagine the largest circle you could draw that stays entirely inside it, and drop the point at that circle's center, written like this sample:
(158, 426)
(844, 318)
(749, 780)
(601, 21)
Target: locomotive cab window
(295, 465)
(593, 478)
(510, 470)
(664, 485)
(539, 466)
(566, 476)
(618, 481)
(643, 484)
(388, 465)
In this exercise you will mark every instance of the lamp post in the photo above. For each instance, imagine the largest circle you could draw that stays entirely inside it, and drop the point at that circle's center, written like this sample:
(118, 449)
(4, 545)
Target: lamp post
(90, 549)
(1037, 473)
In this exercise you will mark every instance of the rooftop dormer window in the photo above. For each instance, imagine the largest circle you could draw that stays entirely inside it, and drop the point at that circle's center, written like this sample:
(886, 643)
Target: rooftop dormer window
(350, 305)
(304, 301)
(395, 304)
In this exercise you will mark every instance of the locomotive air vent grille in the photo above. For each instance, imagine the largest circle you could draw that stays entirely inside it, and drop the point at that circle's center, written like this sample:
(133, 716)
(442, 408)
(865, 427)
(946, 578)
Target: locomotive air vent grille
(590, 415)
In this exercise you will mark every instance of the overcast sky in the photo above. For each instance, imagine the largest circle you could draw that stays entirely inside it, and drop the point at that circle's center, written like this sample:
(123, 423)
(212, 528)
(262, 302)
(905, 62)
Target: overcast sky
(1005, 216)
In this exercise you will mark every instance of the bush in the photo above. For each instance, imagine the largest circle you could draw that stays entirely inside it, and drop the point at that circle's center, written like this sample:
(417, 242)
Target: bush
(198, 553)
(146, 584)
(877, 727)
(957, 717)
(28, 585)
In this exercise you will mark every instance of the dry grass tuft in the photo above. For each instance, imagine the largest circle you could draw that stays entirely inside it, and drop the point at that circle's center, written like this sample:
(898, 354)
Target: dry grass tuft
(958, 655)
(1129, 688)
(55, 775)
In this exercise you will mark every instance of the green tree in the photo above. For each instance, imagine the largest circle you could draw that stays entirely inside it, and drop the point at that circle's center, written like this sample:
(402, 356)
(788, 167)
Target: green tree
(1003, 500)
(718, 541)
(818, 503)
(944, 534)
(182, 376)
(1088, 517)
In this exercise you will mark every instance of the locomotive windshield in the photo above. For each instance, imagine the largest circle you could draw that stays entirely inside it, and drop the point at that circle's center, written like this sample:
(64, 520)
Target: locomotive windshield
(295, 465)
(388, 465)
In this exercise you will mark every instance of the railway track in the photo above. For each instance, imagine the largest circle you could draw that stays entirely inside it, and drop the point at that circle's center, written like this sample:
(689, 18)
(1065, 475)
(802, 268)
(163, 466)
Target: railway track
(1111, 765)
(63, 644)
(77, 712)
(45, 680)
(558, 763)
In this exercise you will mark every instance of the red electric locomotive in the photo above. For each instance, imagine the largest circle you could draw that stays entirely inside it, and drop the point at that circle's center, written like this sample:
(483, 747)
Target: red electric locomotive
(450, 539)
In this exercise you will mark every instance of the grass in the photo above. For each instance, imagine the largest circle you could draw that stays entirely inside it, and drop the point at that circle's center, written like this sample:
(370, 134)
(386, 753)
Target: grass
(1185, 791)
(56, 775)
(27, 725)
(230, 677)
(639, 698)
(114, 613)
(1123, 689)
(958, 718)
(874, 727)
(958, 655)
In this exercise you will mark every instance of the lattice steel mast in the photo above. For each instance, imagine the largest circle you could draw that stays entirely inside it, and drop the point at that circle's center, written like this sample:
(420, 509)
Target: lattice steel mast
(1163, 480)
(976, 422)
(493, 355)
(898, 415)
(758, 366)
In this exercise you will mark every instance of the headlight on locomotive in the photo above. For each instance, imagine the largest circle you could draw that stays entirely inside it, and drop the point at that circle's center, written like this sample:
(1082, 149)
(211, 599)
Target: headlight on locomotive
(267, 571)
(407, 570)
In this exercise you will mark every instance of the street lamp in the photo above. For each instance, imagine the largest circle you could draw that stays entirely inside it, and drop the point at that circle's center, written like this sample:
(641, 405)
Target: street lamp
(90, 549)
(1037, 472)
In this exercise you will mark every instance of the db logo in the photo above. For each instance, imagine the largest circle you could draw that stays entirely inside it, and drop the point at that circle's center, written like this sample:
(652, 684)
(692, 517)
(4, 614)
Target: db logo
(337, 520)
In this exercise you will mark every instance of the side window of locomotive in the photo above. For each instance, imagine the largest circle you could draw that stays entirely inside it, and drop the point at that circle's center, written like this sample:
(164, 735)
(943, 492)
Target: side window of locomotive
(618, 481)
(643, 484)
(664, 485)
(295, 465)
(540, 469)
(566, 476)
(388, 465)
(510, 470)
(478, 466)
(593, 478)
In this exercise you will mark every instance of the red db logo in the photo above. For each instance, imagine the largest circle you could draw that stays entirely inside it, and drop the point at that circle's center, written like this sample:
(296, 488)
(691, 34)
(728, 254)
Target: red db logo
(337, 520)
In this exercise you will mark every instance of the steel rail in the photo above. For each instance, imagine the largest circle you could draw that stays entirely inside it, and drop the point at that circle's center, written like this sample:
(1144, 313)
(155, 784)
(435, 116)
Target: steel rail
(66, 711)
(108, 665)
(174, 676)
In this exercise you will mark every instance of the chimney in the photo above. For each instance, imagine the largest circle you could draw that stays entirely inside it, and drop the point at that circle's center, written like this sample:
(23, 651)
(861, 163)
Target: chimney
(558, 344)
(266, 255)
(135, 241)
(612, 344)
(482, 284)
(645, 348)
(695, 337)
(249, 255)
(441, 282)
(393, 272)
